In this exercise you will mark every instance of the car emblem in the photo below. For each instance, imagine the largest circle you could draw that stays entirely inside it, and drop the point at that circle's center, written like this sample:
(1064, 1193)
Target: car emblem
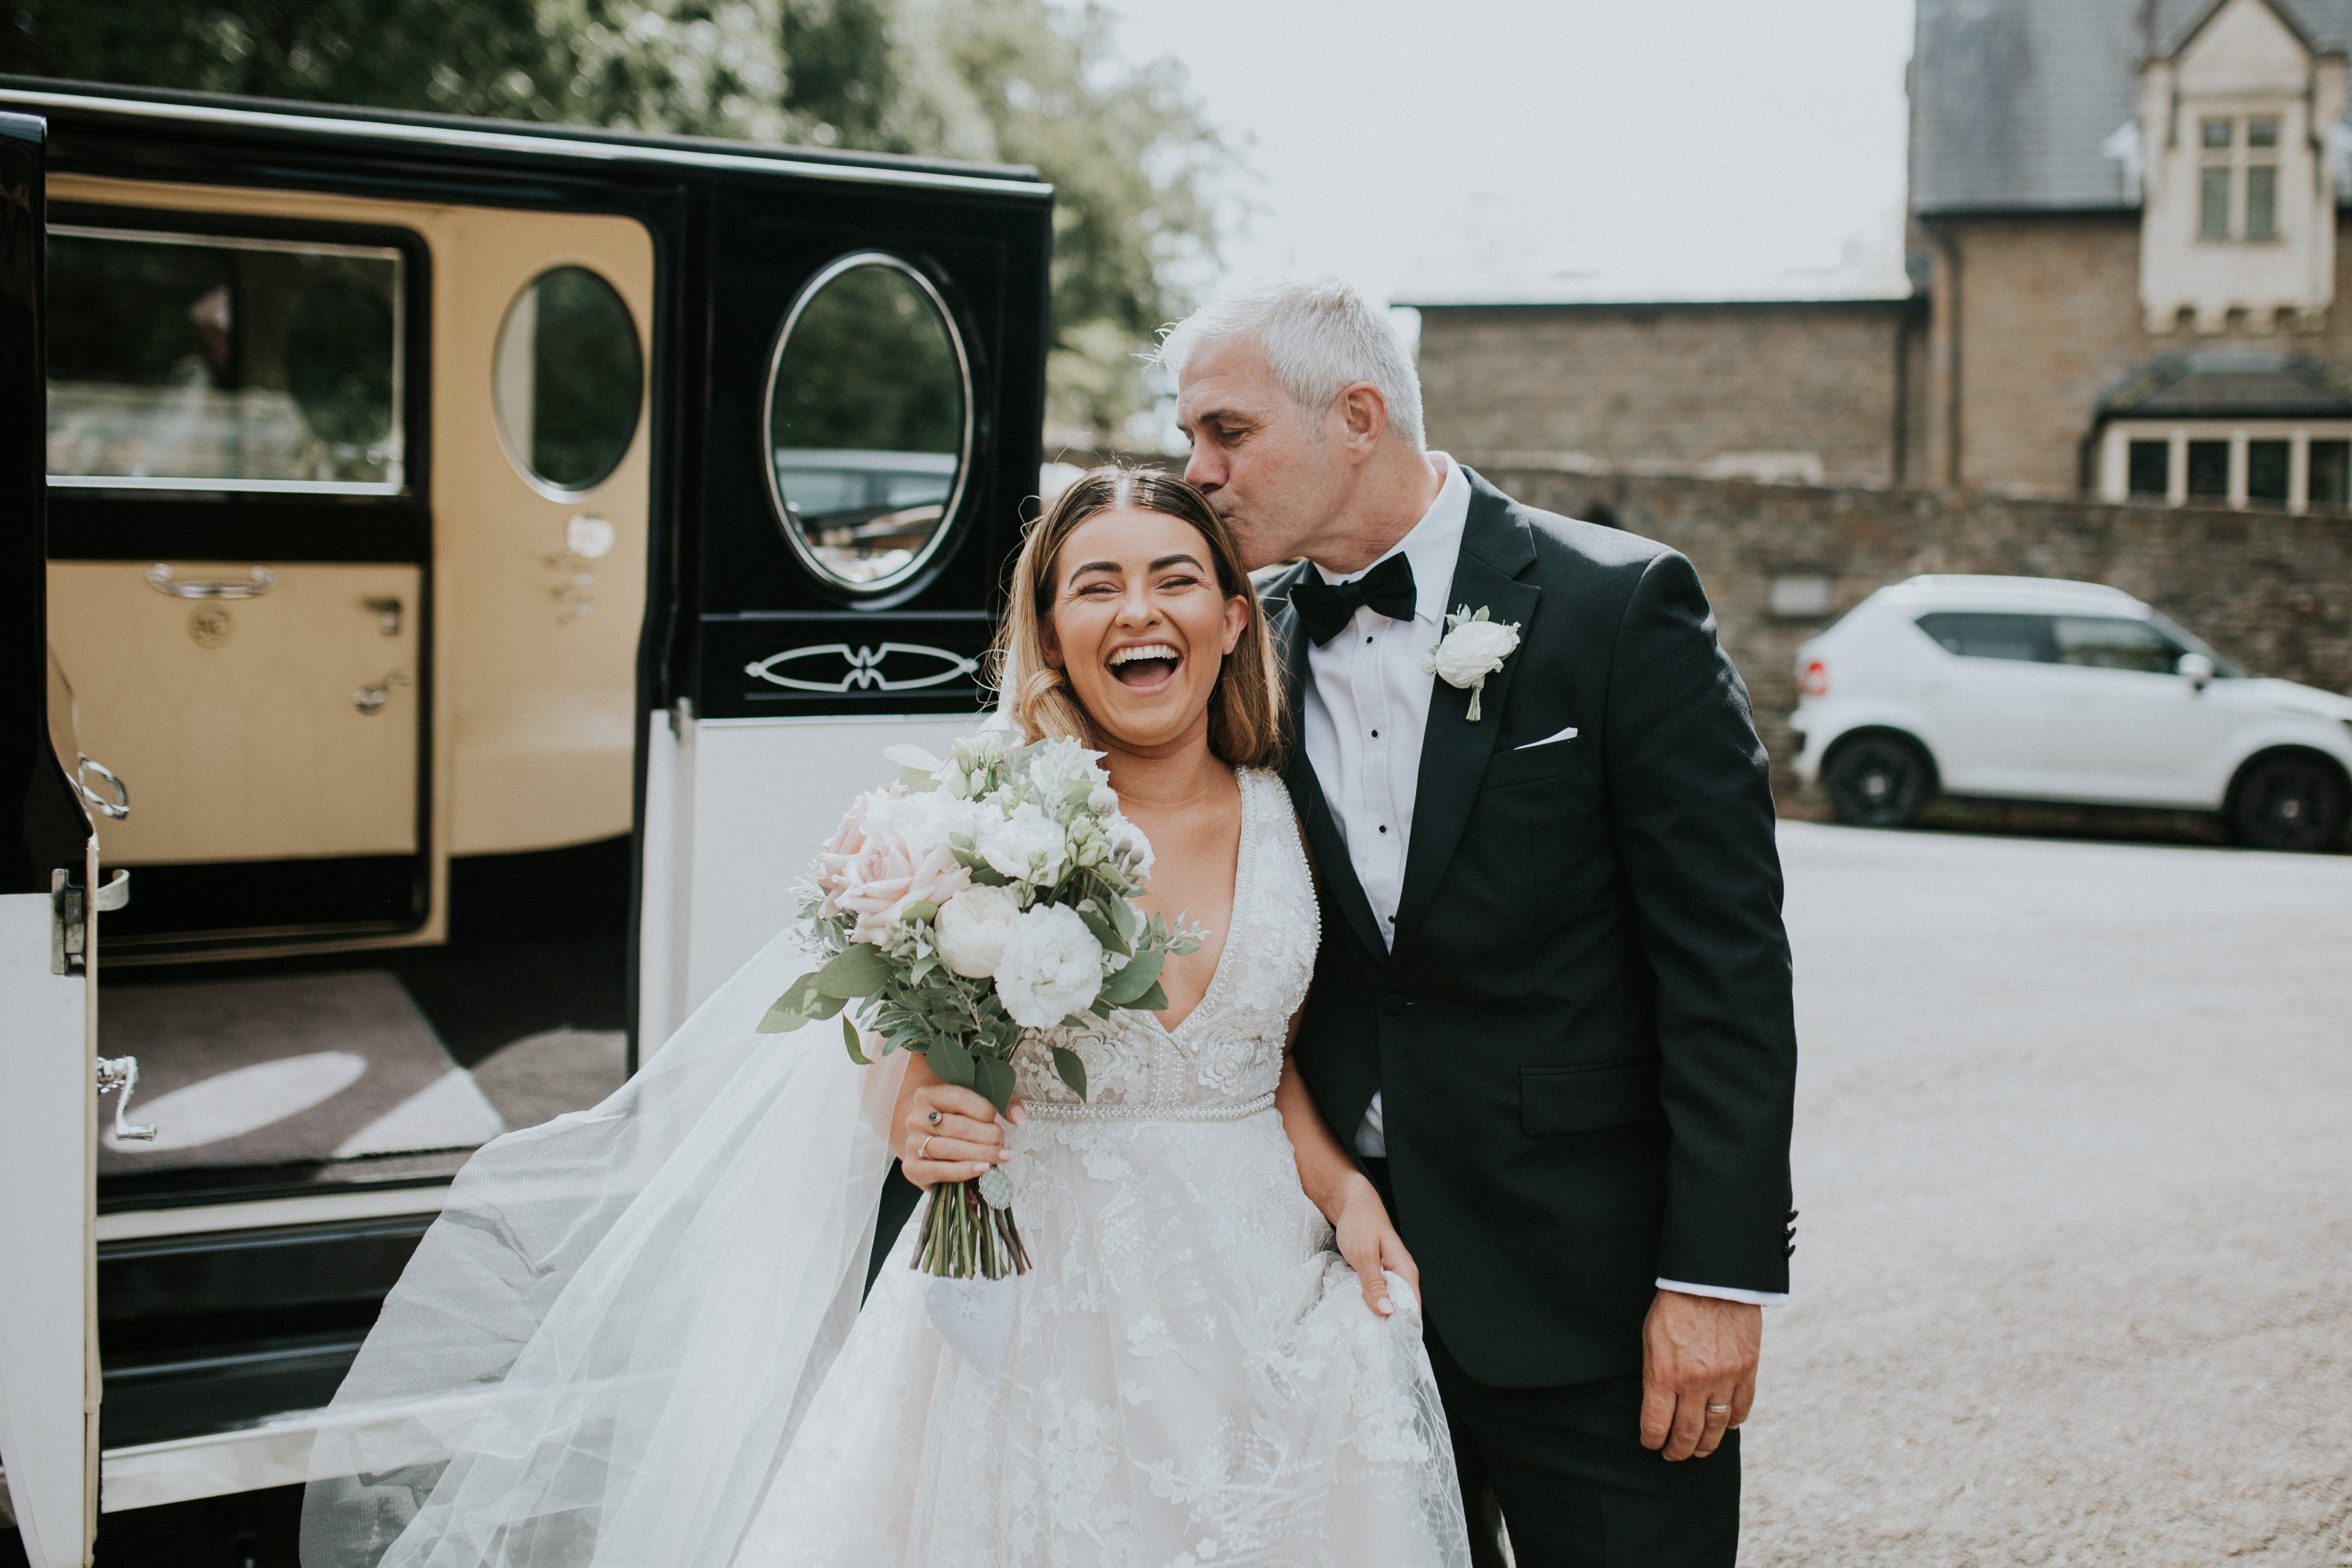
(865, 666)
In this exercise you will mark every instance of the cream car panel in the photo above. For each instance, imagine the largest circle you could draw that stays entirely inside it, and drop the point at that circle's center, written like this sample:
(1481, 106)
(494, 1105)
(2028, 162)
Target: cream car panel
(241, 727)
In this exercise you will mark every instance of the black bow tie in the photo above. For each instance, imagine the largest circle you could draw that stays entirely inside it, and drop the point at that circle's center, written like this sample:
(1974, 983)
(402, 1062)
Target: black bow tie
(1325, 609)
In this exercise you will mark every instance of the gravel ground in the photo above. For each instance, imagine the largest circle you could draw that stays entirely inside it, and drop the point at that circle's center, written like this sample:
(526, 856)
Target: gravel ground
(2074, 1157)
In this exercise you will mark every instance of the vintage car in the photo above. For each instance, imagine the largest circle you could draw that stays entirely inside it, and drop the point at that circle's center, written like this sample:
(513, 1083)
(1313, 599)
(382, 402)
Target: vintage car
(461, 569)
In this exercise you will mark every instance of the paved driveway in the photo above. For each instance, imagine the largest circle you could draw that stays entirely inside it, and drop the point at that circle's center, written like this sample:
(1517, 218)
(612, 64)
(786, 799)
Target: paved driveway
(2074, 1158)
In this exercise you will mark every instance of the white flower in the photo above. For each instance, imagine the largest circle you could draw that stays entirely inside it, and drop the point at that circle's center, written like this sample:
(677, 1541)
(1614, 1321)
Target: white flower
(1027, 845)
(1052, 967)
(971, 931)
(1103, 801)
(1473, 648)
(922, 821)
(1130, 848)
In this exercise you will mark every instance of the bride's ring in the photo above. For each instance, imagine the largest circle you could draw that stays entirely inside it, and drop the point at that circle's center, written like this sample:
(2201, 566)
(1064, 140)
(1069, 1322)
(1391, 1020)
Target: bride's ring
(924, 1153)
(934, 1119)
(1718, 1410)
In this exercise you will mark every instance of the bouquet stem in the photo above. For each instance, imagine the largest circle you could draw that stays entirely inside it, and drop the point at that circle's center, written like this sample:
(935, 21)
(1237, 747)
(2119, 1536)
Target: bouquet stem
(965, 1236)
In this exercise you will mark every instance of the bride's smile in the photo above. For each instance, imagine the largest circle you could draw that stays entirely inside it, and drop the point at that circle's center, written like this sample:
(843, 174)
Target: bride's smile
(1140, 626)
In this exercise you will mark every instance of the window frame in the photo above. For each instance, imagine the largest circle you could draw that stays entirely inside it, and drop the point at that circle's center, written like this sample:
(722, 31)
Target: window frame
(2116, 438)
(2236, 162)
(193, 521)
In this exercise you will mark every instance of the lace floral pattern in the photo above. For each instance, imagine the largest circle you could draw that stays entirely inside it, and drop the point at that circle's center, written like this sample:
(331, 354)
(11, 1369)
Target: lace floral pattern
(1193, 1381)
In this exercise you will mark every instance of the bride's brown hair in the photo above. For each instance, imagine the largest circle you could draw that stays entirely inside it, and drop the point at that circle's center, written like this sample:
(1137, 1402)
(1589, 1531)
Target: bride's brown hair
(1245, 708)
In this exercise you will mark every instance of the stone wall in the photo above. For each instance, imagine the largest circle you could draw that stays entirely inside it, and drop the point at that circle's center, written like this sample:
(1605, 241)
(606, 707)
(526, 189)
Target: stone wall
(1679, 387)
(2272, 592)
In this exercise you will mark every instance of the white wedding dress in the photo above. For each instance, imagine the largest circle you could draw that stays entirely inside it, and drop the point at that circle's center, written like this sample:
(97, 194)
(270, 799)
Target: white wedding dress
(634, 1338)
(1193, 1378)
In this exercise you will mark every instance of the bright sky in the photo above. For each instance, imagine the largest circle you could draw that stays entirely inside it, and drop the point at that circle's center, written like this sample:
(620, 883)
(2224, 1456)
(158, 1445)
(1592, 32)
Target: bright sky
(1519, 150)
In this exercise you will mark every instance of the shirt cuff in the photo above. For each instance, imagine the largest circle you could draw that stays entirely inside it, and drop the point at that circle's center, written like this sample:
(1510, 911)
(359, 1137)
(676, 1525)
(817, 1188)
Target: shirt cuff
(1726, 1292)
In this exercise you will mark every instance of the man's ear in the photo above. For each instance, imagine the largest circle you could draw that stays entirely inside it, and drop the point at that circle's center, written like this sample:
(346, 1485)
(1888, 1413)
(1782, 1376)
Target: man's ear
(1363, 420)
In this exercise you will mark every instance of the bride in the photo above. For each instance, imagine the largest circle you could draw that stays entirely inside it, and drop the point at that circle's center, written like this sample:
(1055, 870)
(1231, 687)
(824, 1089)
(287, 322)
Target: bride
(635, 1338)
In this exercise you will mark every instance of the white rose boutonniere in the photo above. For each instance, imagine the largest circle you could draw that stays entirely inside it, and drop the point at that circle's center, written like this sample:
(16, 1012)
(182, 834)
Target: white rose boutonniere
(1472, 648)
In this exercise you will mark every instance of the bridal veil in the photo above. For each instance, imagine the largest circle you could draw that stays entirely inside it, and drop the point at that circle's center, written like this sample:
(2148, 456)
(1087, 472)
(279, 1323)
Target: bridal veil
(601, 1350)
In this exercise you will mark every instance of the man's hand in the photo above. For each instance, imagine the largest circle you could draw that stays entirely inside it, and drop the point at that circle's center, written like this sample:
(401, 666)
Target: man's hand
(1698, 1371)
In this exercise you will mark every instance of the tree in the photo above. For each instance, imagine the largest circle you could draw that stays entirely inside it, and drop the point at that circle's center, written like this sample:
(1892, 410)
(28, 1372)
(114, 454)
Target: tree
(1131, 155)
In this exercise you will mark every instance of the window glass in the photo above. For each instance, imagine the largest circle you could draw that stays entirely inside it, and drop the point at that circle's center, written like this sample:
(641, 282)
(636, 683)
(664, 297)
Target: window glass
(1973, 635)
(2331, 474)
(2209, 468)
(568, 379)
(2217, 133)
(2262, 133)
(2113, 642)
(2213, 204)
(2150, 467)
(866, 422)
(188, 362)
(2262, 202)
(2266, 470)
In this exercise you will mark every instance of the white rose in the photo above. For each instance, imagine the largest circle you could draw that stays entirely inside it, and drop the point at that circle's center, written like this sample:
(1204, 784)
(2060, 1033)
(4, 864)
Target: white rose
(922, 821)
(1028, 845)
(1472, 651)
(971, 931)
(1052, 967)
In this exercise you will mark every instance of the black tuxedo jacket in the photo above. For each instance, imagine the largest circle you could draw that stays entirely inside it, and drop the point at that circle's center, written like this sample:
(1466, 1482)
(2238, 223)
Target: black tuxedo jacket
(1583, 1035)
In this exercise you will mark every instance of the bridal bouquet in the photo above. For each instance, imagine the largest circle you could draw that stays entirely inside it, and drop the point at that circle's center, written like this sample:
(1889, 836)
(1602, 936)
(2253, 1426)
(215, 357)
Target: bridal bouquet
(975, 898)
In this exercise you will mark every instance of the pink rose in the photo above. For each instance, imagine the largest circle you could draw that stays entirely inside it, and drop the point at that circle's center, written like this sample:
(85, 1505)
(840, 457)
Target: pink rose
(848, 840)
(881, 879)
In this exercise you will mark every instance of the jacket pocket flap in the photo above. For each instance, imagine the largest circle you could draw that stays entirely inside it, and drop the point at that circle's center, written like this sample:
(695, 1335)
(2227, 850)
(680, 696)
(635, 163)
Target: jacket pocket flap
(1587, 1099)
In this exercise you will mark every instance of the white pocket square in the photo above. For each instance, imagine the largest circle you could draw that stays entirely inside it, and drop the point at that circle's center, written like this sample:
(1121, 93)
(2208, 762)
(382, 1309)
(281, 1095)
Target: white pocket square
(1566, 734)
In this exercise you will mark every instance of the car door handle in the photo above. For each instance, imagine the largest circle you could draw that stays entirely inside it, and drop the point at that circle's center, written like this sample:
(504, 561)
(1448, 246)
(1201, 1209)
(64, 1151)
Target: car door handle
(369, 699)
(160, 578)
(114, 810)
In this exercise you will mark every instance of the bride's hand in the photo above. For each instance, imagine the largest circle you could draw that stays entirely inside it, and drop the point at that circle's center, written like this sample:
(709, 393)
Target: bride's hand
(946, 1133)
(1371, 1245)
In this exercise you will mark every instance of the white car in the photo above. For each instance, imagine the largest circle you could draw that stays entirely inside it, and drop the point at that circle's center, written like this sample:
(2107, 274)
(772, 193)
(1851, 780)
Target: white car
(2027, 689)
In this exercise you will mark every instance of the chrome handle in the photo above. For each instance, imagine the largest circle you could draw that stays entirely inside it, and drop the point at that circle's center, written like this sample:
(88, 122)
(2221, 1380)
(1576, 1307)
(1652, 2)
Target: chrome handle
(369, 699)
(123, 1073)
(387, 614)
(114, 895)
(160, 578)
(116, 809)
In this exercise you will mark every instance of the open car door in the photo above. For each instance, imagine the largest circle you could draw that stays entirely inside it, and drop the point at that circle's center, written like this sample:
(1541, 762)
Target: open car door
(48, 1369)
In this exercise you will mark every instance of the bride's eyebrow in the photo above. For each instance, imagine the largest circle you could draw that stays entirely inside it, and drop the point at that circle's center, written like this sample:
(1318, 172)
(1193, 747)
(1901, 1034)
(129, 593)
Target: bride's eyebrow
(1177, 560)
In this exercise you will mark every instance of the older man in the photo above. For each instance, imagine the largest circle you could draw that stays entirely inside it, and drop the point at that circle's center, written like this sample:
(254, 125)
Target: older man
(1552, 1010)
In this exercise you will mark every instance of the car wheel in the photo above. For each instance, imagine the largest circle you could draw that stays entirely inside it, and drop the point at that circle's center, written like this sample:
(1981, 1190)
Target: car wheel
(2287, 802)
(1877, 781)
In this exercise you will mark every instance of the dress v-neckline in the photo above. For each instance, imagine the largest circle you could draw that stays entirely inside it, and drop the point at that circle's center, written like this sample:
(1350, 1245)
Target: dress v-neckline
(1244, 874)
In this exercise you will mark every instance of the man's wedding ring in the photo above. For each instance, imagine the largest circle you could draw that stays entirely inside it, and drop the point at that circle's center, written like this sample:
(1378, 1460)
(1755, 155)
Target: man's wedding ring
(1718, 1410)
(934, 1119)
(924, 1153)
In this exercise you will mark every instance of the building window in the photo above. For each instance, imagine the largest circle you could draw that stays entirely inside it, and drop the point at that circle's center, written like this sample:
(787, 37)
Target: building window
(2297, 466)
(2230, 165)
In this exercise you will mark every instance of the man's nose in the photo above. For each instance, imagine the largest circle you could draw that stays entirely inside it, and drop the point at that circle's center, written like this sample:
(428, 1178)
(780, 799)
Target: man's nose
(1202, 470)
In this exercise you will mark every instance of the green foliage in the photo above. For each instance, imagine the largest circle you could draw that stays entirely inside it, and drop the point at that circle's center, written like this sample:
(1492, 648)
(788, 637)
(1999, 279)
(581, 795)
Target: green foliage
(827, 393)
(1021, 82)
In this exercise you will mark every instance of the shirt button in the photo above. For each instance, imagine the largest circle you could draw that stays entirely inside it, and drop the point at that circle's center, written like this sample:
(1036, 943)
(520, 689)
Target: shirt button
(1393, 1005)
(1376, 735)
(1368, 638)
(1384, 827)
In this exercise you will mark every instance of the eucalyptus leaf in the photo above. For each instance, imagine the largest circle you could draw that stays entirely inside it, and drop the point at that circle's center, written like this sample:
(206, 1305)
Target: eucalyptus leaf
(849, 1036)
(952, 1060)
(1073, 1069)
(1100, 1008)
(1104, 931)
(780, 1019)
(1140, 974)
(859, 971)
(826, 1006)
(994, 1079)
(1152, 1001)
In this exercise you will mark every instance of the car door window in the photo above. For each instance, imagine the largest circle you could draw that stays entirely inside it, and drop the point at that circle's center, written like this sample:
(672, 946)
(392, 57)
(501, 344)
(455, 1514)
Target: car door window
(2115, 642)
(1975, 634)
(193, 361)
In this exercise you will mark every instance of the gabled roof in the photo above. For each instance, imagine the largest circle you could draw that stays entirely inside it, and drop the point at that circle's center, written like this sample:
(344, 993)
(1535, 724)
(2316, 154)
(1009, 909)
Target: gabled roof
(2229, 386)
(2012, 102)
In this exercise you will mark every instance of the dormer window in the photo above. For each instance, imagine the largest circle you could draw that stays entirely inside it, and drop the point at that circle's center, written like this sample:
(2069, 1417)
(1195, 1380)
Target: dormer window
(2237, 178)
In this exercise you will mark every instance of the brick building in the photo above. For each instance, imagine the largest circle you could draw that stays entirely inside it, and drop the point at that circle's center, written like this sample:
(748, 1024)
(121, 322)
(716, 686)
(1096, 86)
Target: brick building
(2124, 282)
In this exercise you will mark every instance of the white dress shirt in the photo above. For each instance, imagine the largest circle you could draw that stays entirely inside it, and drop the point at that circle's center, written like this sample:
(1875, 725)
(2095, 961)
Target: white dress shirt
(1366, 712)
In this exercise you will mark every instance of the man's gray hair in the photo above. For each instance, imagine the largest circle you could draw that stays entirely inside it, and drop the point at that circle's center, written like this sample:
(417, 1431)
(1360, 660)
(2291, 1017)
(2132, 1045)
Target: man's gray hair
(1318, 338)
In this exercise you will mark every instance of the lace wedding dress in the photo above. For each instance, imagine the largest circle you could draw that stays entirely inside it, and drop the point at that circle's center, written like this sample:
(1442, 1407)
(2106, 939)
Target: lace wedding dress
(1193, 1378)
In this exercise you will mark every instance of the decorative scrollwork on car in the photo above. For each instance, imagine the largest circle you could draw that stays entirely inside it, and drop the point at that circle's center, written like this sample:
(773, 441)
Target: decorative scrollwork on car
(865, 672)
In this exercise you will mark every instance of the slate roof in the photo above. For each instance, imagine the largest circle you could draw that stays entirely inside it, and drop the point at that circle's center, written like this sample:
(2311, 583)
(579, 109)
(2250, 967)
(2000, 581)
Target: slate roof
(2012, 102)
(2229, 386)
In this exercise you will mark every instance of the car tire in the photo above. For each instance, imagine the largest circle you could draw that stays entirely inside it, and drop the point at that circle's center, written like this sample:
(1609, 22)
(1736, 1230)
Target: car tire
(2287, 801)
(1877, 781)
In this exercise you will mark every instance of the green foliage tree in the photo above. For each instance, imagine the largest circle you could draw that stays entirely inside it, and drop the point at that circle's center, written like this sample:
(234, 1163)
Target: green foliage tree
(1131, 156)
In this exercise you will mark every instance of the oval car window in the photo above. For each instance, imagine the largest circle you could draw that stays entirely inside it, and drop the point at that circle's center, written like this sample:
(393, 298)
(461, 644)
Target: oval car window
(568, 379)
(868, 419)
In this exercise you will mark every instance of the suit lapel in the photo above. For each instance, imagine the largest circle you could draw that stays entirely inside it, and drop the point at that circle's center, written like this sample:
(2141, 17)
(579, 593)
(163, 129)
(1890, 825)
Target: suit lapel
(1323, 836)
(1453, 750)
